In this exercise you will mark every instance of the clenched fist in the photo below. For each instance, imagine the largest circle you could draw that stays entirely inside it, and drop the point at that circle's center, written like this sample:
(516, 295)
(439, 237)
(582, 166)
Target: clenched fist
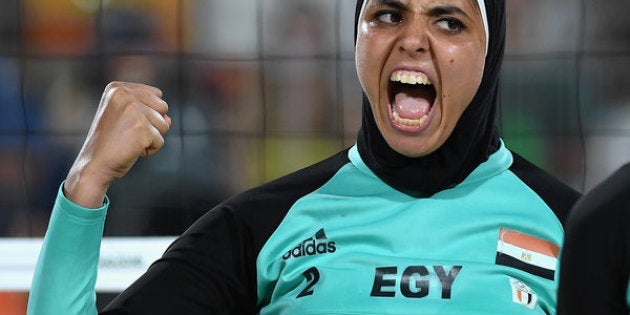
(130, 122)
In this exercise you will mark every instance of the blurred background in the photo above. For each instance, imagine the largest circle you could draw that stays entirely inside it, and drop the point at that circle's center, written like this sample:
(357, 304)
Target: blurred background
(260, 88)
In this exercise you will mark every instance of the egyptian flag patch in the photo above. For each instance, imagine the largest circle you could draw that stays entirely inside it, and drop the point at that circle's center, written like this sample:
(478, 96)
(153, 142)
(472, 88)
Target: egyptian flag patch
(528, 253)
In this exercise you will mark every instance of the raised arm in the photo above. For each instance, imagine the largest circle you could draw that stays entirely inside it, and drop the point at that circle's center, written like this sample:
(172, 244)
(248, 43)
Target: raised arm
(130, 123)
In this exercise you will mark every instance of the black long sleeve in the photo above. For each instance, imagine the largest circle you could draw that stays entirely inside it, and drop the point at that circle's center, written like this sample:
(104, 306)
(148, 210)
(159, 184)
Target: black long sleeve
(595, 260)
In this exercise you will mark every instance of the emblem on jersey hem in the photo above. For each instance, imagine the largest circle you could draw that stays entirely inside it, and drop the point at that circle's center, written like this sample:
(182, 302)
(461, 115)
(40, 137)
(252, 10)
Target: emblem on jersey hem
(523, 294)
(528, 253)
(317, 244)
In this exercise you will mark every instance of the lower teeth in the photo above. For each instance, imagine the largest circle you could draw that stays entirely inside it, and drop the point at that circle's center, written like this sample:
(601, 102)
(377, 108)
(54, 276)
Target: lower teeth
(409, 122)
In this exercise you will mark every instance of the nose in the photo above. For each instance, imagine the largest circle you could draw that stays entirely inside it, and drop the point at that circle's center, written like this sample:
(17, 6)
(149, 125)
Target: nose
(413, 39)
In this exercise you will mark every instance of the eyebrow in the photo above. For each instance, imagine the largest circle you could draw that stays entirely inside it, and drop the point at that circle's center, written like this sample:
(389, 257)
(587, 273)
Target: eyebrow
(447, 10)
(390, 3)
(435, 11)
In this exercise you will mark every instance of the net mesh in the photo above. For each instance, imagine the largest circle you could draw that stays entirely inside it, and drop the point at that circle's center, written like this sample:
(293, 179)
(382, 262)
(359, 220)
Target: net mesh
(257, 89)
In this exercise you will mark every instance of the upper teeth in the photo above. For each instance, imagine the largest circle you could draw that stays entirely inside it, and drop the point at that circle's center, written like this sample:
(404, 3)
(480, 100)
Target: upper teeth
(410, 77)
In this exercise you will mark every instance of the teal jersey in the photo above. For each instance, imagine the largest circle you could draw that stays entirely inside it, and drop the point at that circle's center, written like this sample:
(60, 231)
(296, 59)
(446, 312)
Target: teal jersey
(335, 239)
(357, 246)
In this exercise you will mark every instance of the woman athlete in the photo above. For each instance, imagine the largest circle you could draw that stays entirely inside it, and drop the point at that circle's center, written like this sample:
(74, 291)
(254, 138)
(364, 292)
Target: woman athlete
(429, 213)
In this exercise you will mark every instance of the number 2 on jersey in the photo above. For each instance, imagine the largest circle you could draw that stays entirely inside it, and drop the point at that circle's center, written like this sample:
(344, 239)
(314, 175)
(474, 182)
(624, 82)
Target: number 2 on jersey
(312, 277)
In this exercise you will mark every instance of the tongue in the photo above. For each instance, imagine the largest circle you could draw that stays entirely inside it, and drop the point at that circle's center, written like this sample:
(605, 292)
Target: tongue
(412, 104)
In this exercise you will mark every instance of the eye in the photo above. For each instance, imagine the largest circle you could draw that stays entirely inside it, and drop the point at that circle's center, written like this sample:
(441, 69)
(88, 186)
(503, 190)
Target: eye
(452, 25)
(388, 17)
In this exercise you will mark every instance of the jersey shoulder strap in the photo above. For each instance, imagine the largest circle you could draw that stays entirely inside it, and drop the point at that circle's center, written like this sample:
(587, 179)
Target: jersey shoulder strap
(559, 196)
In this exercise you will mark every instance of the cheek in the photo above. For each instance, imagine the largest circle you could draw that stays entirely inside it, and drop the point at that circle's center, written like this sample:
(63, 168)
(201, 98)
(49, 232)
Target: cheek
(361, 64)
(365, 57)
(461, 77)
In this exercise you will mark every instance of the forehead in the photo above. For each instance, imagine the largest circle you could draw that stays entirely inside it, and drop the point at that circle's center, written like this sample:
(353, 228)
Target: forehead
(467, 5)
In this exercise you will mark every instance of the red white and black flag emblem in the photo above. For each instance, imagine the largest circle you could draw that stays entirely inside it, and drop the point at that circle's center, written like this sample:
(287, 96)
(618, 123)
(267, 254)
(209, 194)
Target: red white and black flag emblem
(528, 253)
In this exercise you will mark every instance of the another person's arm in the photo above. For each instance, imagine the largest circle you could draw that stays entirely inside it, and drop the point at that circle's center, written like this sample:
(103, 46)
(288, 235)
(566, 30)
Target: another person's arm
(595, 259)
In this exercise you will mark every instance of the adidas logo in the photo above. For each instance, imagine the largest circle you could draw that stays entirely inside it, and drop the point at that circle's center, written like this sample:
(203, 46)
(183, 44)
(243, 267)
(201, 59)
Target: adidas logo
(317, 244)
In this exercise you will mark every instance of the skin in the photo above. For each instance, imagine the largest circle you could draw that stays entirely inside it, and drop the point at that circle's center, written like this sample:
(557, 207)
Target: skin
(443, 40)
(130, 123)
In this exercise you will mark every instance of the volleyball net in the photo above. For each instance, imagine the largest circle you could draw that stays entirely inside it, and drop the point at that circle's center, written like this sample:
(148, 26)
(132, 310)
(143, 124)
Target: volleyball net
(257, 89)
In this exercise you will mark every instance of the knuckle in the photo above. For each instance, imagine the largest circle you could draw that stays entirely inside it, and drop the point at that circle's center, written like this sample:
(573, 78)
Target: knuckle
(124, 97)
(133, 110)
(116, 92)
(114, 85)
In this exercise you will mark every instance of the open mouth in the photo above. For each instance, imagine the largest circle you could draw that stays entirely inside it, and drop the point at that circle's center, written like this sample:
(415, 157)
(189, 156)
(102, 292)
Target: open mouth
(411, 95)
